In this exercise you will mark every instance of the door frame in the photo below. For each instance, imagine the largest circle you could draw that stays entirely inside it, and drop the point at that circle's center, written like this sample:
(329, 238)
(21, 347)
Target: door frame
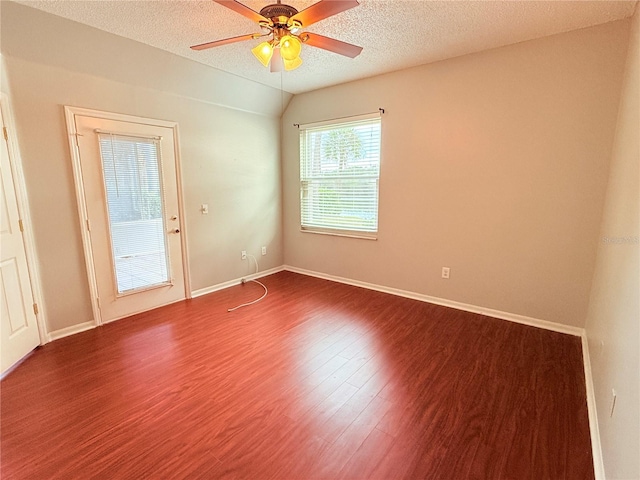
(70, 115)
(22, 200)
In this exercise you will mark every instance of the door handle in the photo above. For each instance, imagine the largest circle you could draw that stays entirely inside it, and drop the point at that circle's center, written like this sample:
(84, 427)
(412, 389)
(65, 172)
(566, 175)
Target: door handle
(175, 230)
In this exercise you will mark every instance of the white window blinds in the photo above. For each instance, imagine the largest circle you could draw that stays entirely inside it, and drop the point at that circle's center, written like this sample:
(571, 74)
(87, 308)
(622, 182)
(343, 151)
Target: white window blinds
(339, 174)
(133, 186)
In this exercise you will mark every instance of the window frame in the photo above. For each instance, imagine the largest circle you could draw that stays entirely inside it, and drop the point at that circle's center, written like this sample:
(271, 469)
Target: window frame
(304, 180)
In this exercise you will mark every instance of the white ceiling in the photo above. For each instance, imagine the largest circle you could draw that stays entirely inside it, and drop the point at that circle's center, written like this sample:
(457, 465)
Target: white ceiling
(395, 34)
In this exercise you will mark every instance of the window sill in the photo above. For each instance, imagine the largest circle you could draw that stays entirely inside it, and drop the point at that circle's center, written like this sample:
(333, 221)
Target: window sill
(342, 233)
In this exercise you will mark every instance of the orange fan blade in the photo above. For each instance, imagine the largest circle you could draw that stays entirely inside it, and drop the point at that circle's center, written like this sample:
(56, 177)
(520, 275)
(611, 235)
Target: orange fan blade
(243, 10)
(217, 43)
(276, 61)
(321, 10)
(331, 44)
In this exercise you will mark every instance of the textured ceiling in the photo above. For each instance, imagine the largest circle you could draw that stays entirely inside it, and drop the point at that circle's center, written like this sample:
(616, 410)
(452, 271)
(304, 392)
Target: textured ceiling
(395, 34)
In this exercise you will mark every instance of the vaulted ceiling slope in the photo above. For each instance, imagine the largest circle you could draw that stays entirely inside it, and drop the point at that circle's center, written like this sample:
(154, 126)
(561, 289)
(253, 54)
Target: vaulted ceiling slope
(395, 34)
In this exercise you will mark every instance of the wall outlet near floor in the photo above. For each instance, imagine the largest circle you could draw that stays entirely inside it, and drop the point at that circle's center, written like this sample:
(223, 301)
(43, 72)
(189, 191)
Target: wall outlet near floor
(264, 250)
(445, 272)
(243, 254)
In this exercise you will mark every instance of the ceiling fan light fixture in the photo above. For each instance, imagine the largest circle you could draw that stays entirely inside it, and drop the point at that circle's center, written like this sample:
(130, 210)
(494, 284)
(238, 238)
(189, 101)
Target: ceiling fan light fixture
(263, 52)
(292, 64)
(283, 24)
(290, 47)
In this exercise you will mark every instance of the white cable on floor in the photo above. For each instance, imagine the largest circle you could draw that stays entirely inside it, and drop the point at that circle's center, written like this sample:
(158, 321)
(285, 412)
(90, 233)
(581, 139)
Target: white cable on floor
(254, 281)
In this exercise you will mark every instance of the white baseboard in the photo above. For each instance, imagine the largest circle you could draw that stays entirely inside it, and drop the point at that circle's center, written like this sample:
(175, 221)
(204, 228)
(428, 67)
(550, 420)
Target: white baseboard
(72, 330)
(512, 317)
(596, 447)
(81, 327)
(236, 281)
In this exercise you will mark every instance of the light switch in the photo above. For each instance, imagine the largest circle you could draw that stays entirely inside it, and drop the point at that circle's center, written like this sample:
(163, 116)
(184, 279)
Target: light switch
(204, 208)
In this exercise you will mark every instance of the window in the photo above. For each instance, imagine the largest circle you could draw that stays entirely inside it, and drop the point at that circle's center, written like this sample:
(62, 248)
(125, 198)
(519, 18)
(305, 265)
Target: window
(339, 173)
(132, 173)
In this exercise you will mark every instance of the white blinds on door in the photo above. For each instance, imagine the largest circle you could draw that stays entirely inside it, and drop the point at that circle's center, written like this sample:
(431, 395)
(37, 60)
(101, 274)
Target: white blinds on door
(132, 173)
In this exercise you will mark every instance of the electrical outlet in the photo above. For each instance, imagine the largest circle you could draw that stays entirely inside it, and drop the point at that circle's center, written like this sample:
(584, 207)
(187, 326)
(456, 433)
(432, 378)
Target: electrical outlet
(243, 255)
(445, 272)
(264, 250)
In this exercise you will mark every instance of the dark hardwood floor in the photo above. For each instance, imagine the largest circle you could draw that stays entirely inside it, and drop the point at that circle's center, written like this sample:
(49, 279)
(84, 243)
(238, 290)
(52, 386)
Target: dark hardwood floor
(319, 380)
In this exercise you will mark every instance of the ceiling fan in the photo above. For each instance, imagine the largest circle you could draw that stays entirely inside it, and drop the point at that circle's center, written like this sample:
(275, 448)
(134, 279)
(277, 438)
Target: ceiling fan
(282, 25)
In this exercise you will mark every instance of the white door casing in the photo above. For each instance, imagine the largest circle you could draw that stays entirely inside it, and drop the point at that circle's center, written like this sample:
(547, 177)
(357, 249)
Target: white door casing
(20, 333)
(89, 130)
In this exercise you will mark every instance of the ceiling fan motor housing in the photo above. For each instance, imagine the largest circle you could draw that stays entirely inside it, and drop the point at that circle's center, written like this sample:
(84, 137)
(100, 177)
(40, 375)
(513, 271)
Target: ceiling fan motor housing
(278, 13)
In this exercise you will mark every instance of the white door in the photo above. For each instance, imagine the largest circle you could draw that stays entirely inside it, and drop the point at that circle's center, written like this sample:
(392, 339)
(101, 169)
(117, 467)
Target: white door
(130, 184)
(17, 316)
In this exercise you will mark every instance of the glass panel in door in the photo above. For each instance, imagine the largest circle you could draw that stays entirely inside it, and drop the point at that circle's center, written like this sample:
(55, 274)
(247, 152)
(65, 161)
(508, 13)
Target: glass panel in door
(132, 172)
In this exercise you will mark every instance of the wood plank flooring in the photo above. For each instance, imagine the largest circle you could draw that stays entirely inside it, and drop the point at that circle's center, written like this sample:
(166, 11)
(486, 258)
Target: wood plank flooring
(319, 380)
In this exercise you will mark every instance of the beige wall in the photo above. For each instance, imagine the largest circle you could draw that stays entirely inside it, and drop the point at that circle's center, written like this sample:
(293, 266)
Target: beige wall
(230, 156)
(493, 164)
(4, 80)
(613, 322)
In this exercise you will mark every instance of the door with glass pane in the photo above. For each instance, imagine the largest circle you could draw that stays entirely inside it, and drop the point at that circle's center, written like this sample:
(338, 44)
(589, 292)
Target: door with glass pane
(130, 184)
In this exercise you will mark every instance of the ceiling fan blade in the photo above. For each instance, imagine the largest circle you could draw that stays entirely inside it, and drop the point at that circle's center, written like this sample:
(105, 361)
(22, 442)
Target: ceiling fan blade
(333, 45)
(321, 10)
(276, 61)
(243, 10)
(217, 43)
